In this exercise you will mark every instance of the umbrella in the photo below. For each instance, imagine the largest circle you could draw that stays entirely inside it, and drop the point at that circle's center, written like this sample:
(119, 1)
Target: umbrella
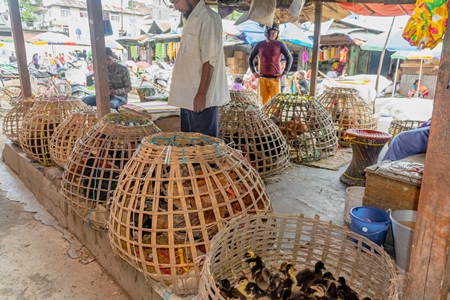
(51, 38)
(396, 42)
(143, 64)
(252, 32)
(113, 44)
(130, 63)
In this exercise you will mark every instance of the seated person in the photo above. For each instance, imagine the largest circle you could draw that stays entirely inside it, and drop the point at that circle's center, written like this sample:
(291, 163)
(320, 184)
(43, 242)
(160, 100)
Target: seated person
(238, 84)
(332, 73)
(423, 90)
(409, 143)
(301, 84)
(119, 83)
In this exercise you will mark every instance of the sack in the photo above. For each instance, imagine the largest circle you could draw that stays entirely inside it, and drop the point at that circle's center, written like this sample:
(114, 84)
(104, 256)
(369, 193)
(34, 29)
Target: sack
(263, 11)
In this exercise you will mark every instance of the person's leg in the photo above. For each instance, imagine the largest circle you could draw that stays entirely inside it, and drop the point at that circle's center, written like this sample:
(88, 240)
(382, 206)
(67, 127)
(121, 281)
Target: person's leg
(264, 90)
(185, 117)
(206, 122)
(117, 101)
(274, 86)
(408, 143)
(89, 100)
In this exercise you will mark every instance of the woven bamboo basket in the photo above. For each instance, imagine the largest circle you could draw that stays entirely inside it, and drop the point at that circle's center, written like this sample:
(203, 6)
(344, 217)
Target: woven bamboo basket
(246, 96)
(12, 122)
(302, 241)
(40, 123)
(248, 129)
(92, 172)
(348, 110)
(172, 198)
(68, 132)
(398, 126)
(307, 125)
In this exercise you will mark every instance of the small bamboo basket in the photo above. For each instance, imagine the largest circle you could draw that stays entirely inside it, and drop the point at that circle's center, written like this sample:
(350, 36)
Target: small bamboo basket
(12, 122)
(248, 129)
(302, 241)
(348, 111)
(306, 124)
(173, 197)
(40, 123)
(398, 126)
(92, 172)
(68, 132)
(246, 96)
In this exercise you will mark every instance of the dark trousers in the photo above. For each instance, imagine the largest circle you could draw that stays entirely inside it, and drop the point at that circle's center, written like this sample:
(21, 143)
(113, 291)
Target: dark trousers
(206, 122)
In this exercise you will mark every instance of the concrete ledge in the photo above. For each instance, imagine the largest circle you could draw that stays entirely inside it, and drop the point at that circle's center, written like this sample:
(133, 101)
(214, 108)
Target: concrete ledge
(45, 184)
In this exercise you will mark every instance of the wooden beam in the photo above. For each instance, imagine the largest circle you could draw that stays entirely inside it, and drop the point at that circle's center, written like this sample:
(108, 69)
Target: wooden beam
(429, 270)
(19, 45)
(95, 16)
(316, 44)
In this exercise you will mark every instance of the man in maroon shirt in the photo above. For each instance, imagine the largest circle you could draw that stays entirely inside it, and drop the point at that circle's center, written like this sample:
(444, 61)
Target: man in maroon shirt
(270, 52)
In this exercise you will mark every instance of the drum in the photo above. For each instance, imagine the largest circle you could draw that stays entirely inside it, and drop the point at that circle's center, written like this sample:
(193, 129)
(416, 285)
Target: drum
(366, 146)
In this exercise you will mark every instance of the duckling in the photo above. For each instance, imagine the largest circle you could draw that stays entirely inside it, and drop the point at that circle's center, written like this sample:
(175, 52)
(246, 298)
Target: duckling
(247, 290)
(319, 291)
(349, 293)
(254, 262)
(275, 280)
(291, 281)
(262, 278)
(224, 286)
(306, 277)
(282, 268)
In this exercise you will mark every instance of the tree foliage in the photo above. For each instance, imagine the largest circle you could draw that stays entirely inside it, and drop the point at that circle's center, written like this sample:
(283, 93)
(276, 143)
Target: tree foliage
(233, 16)
(28, 9)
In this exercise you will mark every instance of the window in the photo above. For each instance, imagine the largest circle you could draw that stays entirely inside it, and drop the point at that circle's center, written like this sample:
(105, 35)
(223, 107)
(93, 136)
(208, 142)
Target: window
(83, 14)
(65, 11)
(65, 28)
(115, 18)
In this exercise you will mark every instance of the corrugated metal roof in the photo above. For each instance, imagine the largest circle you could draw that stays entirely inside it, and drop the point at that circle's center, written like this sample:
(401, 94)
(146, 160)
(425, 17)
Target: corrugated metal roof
(81, 4)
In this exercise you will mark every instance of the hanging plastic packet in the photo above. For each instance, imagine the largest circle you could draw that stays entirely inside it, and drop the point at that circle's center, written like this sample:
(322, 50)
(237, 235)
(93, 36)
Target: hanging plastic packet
(107, 27)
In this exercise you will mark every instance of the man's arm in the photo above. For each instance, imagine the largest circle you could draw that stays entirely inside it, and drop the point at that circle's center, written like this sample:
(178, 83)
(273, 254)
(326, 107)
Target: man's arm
(200, 97)
(285, 51)
(126, 81)
(251, 58)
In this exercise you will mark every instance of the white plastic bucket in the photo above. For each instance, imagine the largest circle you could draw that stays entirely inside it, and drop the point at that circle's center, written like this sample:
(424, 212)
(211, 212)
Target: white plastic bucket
(403, 235)
(354, 197)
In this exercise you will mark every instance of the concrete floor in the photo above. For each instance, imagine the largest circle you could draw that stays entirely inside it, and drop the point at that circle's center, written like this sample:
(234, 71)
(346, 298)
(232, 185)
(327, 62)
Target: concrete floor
(35, 259)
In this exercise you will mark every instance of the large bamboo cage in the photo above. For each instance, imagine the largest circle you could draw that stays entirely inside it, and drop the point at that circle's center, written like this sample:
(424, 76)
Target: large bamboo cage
(246, 96)
(68, 132)
(12, 122)
(173, 197)
(399, 126)
(40, 123)
(348, 111)
(301, 241)
(307, 125)
(248, 129)
(92, 172)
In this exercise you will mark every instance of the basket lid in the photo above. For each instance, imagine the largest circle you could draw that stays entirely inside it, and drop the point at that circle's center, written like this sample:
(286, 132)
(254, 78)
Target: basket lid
(369, 134)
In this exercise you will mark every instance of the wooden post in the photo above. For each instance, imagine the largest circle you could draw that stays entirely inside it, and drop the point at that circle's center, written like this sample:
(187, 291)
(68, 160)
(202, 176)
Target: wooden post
(316, 44)
(19, 45)
(95, 15)
(430, 265)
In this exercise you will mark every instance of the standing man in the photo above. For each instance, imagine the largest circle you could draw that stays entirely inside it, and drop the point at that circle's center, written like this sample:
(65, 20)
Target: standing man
(12, 58)
(270, 73)
(199, 83)
(119, 83)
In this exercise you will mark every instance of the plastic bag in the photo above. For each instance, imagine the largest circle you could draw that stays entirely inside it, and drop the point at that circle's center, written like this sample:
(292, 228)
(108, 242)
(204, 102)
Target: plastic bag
(263, 11)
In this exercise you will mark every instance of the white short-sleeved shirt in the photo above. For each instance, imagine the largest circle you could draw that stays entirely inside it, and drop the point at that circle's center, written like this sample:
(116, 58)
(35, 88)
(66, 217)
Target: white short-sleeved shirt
(201, 41)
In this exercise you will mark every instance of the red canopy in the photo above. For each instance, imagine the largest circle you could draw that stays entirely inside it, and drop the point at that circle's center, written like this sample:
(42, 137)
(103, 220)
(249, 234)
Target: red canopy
(378, 9)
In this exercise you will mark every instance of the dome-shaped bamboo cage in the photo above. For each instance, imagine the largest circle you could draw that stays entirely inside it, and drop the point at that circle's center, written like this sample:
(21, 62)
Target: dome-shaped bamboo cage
(302, 242)
(40, 123)
(248, 129)
(348, 111)
(398, 126)
(12, 122)
(307, 125)
(173, 197)
(246, 96)
(92, 172)
(68, 132)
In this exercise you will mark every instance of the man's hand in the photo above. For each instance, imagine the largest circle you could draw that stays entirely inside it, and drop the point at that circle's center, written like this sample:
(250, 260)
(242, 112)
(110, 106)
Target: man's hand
(279, 76)
(256, 74)
(199, 103)
(112, 92)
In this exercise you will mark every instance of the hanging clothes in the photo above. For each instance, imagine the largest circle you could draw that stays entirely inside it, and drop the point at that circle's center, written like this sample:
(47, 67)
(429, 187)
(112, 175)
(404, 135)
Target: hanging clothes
(305, 57)
(343, 54)
(427, 24)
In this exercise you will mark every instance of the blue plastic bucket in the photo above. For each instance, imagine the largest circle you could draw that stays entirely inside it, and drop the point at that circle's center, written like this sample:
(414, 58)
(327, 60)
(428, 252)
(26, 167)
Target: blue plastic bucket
(370, 222)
